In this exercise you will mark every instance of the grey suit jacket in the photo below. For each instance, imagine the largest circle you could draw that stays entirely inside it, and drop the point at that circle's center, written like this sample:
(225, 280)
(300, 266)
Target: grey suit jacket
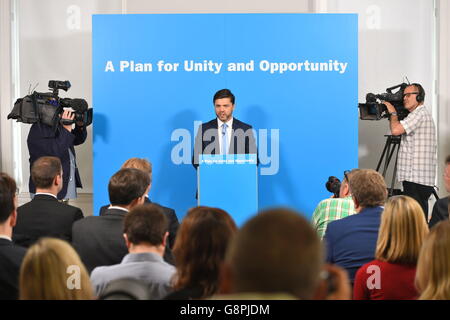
(150, 268)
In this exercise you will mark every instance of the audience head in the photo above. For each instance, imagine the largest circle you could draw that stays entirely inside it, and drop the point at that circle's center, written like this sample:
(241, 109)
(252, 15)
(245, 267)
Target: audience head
(368, 189)
(345, 187)
(46, 173)
(8, 200)
(200, 247)
(402, 231)
(433, 267)
(127, 187)
(145, 225)
(277, 251)
(140, 164)
(52, 270)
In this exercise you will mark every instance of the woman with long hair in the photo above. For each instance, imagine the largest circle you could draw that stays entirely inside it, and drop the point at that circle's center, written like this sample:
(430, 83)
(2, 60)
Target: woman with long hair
(391, 275)
(433, 268)
(52, 270)
(199, 251)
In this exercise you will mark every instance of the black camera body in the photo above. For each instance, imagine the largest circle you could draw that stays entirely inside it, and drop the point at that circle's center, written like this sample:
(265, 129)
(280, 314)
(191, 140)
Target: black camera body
(372, 110)
(46, 107)
(333, 185)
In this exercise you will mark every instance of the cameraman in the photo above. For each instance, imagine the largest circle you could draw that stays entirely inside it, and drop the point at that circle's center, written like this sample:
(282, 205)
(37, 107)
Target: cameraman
(43, 140)
(334, 208)
(417, 157)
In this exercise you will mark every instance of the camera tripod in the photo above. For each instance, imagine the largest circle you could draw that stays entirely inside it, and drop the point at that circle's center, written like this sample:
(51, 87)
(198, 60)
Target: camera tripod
(392, 143)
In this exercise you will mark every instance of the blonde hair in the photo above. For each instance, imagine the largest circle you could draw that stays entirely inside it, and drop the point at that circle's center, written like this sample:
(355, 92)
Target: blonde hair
(402, 231)
(433, 267)
(138, 163)
(46, 271)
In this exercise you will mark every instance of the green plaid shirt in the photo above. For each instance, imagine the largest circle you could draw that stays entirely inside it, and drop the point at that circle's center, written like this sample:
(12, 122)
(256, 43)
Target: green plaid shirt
(329, 210)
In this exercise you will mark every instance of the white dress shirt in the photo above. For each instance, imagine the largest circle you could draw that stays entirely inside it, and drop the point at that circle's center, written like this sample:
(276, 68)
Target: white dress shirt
(229, 132)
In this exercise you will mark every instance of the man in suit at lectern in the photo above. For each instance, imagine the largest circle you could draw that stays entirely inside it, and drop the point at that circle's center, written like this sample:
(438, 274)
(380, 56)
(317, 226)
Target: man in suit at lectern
(224, 134)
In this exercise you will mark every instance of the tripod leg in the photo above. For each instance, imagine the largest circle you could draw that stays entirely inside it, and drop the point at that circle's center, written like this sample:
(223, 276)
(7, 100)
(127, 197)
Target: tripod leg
(388, 156)
(435, 194)
(382, 154)
(394, 173)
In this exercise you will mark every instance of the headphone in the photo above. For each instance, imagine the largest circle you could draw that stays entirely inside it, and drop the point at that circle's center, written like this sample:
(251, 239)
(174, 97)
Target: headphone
(420, 97)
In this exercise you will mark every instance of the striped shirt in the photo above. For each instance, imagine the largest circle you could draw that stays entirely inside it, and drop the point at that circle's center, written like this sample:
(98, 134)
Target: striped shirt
(417, 157)
(329, 210)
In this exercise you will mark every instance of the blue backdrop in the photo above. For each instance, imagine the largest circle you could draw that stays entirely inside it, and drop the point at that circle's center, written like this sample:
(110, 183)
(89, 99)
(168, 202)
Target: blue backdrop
(310, 116)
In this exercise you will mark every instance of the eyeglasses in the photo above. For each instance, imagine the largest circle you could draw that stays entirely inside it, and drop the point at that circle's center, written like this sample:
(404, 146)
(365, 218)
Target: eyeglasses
(346, 172)
(410, 93)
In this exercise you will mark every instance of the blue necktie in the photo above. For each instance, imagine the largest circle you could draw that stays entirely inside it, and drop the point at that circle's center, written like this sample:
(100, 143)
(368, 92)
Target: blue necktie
(224, 139)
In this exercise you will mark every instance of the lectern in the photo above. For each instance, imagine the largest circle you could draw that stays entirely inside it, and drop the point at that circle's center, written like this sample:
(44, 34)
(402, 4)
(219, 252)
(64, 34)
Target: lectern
(229, 182)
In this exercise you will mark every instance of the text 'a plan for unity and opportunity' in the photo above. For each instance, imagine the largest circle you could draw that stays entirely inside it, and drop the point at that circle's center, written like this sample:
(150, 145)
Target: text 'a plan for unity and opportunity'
(216, 67)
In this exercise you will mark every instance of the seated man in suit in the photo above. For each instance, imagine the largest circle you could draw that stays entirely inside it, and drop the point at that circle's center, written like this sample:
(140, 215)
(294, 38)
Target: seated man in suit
(99, 240)
(145, 233)
(45, 216)
(441, 208)
(224, 134)
(146, 166)
(351, 241)
(11, 256)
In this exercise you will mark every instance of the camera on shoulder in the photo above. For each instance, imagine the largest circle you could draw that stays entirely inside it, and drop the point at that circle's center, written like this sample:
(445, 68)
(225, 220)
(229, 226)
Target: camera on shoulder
(46, 107)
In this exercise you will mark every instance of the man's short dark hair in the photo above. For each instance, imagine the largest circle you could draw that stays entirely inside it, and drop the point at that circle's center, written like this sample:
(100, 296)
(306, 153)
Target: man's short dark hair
(145, 224)
(7, 194)
(447, 160)
(224, 93)
(126, 185)
(44, 170)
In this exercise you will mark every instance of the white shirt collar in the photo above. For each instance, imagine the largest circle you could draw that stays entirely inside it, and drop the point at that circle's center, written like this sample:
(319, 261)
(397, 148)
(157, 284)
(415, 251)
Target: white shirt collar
(47, 194)
(118, 208)
(2, 236)
(229, 123)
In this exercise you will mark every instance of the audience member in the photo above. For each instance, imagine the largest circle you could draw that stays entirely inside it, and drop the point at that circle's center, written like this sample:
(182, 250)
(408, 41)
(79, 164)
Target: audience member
(351, 241)
(45, 216)
(125, 289)
(441, 208)
(52, 270)
(99, 240)
(199, 251)
(433, 267)
(332, 209)
(146, 166)
(277, 255)
(11, 256)
(145, 233)
(391, 276)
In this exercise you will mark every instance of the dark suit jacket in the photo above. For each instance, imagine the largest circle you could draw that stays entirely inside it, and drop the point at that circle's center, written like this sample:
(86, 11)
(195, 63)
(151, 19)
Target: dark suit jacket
(11, 257)
(44, 216)
(99, 240)
(43, 141)
(207, 140)
(170, 214)
(351, 241)
(440, 211)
